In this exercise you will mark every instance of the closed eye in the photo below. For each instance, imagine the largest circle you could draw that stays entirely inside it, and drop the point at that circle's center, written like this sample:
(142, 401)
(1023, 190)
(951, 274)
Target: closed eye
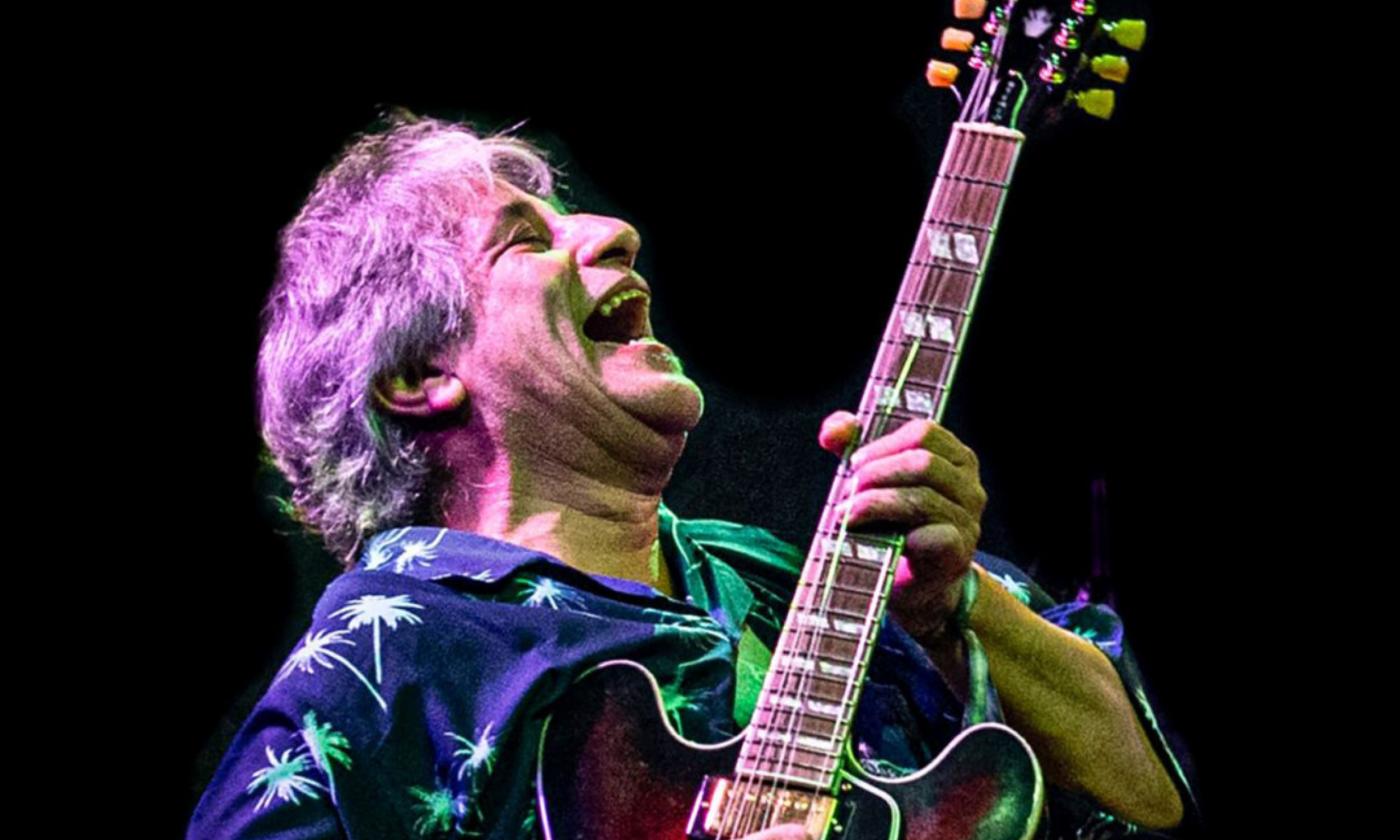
(528, 235)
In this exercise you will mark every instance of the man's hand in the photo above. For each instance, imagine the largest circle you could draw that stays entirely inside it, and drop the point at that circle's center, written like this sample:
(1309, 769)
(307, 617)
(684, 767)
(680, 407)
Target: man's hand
(922, 480)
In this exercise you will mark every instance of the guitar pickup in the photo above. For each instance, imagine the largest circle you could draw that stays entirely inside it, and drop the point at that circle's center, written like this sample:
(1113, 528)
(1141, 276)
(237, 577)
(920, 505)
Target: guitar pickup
(742, 807)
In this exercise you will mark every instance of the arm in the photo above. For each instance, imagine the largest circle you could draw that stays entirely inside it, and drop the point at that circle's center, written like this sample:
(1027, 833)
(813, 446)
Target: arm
(1058, 690)
(1064, 696)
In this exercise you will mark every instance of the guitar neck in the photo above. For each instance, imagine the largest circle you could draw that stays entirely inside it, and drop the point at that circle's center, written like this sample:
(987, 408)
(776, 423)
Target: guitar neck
(808, 699)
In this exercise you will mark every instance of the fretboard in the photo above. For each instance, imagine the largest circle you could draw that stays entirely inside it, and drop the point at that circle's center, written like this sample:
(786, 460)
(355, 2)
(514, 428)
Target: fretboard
(808, 700)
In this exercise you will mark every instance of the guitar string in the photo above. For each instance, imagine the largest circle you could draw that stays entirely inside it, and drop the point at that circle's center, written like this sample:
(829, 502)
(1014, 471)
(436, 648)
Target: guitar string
(759, 813)
(747, 814)
(880, 405)
(797, 716)
(785, 755)
(785, 752)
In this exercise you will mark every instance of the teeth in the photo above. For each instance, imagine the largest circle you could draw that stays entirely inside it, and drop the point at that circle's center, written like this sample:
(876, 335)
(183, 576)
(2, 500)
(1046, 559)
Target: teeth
(618, 299)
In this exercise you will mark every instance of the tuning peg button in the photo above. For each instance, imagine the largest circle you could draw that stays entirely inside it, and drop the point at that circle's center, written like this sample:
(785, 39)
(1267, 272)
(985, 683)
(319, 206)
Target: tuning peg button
(1111, 67)
(957, 40)
(1128, 33)
(941, 73)
(969, 9)
(1096, 102)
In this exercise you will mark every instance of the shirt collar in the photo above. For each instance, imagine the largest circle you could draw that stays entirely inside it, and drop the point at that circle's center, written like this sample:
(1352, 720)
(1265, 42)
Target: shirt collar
(435, 553)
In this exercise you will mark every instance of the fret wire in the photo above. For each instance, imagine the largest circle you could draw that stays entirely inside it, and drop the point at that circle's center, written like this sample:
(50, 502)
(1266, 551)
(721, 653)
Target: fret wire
(778, 746)
(818, 785)
(881, 379)
(818, 730)
(969, 179)
(834, 638)
(791, 762)
(932, 309)
(961, 226)
(848, 586)
(946, 266)
(806, 712)
(847, 614)
(949, 348)
(813, 674)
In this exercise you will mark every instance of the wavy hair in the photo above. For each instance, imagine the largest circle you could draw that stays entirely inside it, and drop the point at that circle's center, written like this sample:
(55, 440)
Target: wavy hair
(371, 281)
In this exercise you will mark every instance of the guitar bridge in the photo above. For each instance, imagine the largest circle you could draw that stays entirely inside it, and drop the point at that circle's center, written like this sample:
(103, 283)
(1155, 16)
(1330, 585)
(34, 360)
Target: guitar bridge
(751, 805)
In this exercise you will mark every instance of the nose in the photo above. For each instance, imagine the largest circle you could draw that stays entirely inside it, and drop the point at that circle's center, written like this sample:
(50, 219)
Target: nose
(601, 240)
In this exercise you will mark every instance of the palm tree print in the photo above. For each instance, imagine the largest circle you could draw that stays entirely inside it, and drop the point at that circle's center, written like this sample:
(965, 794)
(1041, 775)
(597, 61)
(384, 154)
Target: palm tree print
(326, 747)
(282, 779)
(417, 553)
(316, 650)
(375, 610)
(1014, 586)
(475, 754)
(379, 556)
(699, 630)
(439, 810)
(543, 592)
(677, 703)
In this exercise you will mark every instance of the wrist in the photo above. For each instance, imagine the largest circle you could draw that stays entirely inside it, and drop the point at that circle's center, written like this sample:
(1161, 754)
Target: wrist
(937, 622)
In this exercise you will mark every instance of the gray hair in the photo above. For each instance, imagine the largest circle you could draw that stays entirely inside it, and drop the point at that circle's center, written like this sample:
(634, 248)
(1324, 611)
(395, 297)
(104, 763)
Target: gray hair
(372, 281)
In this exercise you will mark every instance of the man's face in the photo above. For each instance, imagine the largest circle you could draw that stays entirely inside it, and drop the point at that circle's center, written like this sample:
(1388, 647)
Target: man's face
(562, 330)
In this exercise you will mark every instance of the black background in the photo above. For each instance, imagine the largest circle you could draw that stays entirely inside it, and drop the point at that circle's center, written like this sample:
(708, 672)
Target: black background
(776, 170)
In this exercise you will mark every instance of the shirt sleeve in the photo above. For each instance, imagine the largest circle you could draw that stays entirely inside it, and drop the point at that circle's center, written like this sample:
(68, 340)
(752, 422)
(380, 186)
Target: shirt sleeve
(273, 783)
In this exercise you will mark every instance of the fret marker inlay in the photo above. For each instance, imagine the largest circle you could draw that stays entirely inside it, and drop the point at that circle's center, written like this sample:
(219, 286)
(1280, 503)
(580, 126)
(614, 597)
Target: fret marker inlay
(940, 328)
(966, 245)
(919, 401)
(938, 241)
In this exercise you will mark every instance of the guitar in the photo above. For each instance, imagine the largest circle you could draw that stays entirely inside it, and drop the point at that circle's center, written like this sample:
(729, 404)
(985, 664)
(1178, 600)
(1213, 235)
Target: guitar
(610, 763)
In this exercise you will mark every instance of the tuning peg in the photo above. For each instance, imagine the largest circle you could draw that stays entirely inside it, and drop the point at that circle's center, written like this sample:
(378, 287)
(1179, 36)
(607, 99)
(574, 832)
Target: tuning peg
(1128, 33)
(956, 40)
(981, 56)
(1111, 67)
(941, 73)
(995, 21)
(1068, 35)
(1052, 69)
(1084, 7)
(1096, 102)
(969, 9)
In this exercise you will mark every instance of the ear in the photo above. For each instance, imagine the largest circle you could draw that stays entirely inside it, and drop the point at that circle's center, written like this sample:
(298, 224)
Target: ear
(428, 394)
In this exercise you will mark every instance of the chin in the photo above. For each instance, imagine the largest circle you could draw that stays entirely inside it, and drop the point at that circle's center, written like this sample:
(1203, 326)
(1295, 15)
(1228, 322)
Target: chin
(670, 407)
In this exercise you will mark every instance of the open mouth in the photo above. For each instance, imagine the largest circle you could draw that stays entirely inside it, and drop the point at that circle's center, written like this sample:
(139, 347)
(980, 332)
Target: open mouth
(621, 318)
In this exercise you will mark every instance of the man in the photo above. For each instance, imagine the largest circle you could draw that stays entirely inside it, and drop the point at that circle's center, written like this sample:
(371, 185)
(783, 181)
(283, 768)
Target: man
(447, 346)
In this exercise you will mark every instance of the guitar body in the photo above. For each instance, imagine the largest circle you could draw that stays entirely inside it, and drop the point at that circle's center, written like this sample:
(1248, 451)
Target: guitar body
(612, 767)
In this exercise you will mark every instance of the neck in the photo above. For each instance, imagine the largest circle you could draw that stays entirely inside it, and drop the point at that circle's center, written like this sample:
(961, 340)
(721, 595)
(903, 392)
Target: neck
(597, 525)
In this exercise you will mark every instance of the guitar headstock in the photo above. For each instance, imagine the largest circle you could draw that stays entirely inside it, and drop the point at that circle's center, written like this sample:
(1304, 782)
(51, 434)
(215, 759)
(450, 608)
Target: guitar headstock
(1031, 61)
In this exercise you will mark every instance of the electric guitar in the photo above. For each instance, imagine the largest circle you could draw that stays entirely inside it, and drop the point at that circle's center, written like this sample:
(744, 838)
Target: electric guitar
(612, 766)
